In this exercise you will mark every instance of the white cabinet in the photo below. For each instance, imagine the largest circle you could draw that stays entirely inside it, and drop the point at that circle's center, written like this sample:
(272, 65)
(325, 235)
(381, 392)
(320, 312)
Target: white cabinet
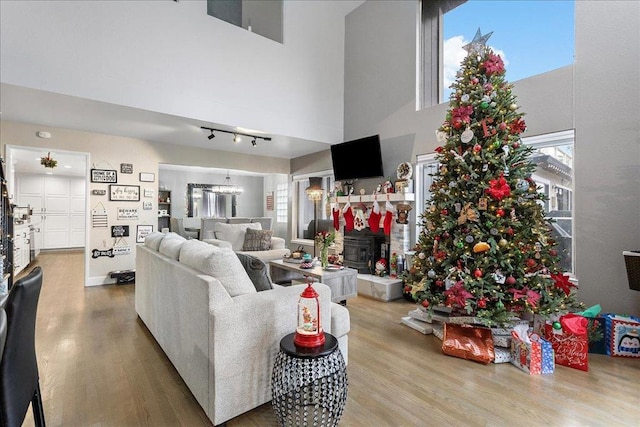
(21, 247)
(58, 204)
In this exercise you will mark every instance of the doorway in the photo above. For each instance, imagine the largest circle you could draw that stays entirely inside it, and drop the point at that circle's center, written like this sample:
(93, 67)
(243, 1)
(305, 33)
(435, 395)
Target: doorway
(53, 201)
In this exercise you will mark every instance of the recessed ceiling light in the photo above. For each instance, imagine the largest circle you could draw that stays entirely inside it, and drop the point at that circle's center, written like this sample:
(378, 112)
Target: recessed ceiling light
(49, 173)
(67, 166)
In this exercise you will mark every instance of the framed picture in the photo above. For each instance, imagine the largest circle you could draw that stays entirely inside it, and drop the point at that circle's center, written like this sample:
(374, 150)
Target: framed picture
(124, 193)
(104, 175)
(147, 177)
(142, 231)
(119, 230)
(127, 213)
(147, 206)
(126, 168)
(148, 192)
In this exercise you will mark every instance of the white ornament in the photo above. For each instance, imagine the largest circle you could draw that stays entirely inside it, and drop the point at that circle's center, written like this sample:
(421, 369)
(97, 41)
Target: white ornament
(441, 136)
(466, 136)
(465, 97)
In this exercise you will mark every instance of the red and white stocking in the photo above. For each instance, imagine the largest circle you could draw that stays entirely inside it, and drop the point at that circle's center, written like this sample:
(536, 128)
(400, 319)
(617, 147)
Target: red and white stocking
(388, 217)
(374, 217)
(348, 217)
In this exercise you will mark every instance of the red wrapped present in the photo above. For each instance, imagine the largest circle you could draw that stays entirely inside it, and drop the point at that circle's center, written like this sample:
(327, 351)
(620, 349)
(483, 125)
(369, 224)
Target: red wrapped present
(570, 342)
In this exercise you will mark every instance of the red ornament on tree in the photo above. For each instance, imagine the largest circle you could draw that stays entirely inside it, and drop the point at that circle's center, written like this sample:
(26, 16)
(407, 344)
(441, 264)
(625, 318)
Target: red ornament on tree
(500, 212)
(510, 281)
(477, 273)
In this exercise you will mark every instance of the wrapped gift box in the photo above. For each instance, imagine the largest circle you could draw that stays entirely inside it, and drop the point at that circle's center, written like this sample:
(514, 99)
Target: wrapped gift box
(502, 355)
(531, 353)
(622, 335)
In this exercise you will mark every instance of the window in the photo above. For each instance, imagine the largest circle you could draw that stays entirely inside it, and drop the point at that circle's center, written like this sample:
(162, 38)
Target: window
(304, 227)
(282, 196)
(553, 156)
(532, 37)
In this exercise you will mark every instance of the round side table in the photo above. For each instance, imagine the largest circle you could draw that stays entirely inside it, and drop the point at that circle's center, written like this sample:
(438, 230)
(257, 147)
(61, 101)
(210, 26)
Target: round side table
(309, 385)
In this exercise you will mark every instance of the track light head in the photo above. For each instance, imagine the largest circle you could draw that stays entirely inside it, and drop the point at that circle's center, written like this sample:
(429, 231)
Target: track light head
(236, 138)
(211, 136)
(253, 142)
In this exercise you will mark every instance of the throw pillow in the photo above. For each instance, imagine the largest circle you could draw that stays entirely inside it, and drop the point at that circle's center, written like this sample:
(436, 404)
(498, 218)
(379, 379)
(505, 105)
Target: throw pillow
(257, 271)
(171, 246)
(221, 263)
(257, 240)
(153, 240)
(234, 233)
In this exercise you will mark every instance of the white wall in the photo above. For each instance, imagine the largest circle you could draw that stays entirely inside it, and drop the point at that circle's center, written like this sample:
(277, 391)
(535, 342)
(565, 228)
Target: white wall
(171, 57)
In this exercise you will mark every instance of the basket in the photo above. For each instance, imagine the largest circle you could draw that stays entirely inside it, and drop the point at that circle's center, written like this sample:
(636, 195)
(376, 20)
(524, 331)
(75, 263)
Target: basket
(632, 262)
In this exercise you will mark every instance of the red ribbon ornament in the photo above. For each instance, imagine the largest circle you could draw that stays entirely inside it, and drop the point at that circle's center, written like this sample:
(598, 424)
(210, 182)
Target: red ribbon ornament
(498, 188)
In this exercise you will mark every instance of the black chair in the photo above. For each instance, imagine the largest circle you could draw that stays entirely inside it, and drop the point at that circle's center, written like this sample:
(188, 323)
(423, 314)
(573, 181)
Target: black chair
(19, 380)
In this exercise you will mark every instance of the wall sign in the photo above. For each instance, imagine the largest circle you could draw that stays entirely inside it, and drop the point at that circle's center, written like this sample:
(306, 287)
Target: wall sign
(119, 230)
(147, 206)
(98, 253)
(148, 192)
(129, 193)
(142, 231)
(104, 175)
(99, 216)
(127, 213)
(147, 177)
(126, 168)
(98, 192)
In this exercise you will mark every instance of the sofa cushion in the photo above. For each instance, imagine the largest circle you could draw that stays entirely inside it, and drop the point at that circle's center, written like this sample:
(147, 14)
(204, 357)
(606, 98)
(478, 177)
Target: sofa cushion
(221, 263)
(257, 271)
(234, 233)
(153, 240)
(257, 240)
(170, 246)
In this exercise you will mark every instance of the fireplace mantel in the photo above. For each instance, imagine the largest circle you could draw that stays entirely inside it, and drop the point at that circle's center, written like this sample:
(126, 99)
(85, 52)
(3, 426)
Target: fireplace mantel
(392, 197)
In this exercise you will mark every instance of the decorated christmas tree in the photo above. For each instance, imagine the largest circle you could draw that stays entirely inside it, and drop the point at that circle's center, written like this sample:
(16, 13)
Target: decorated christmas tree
(486, 248)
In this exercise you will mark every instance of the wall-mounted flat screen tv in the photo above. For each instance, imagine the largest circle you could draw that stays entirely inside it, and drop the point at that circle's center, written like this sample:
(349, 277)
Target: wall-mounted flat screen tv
(360, 158)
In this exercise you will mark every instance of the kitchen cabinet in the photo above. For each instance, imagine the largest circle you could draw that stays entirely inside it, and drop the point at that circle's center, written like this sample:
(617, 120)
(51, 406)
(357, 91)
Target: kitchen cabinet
(58, 204)
(21, 247)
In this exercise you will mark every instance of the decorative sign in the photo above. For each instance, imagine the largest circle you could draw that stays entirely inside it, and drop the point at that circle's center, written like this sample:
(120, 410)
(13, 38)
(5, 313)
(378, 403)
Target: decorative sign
(148, 192)
(142, 232)
(121, 250)
(119, 230)
(270, 201)
(129, 193)
(147, 206)
(104, 175)
(127, 213)
(98, 192)
(147, 177)
(99, 216)
(98, 253)
(126, 168)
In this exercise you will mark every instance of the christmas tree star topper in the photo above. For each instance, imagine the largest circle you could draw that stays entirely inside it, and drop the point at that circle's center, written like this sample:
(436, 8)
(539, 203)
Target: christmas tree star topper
(478, 43)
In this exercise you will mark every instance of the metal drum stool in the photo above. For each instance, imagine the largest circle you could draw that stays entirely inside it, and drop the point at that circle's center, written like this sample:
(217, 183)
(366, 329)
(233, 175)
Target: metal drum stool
(309, 385)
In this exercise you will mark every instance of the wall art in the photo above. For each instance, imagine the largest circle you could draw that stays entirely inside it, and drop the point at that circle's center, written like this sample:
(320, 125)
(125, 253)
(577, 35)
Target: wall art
(95, 253)
(119, 230)
(104, 175)
(99, 216)
(142, 231)
(147, 206)
(126, 168)
(98, 192)
(129, 193)
(127, 213)
(147, 177)
(148, 192)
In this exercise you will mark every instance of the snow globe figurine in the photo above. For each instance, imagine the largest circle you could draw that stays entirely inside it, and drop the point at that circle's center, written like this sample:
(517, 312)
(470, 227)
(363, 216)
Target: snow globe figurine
(309, 331)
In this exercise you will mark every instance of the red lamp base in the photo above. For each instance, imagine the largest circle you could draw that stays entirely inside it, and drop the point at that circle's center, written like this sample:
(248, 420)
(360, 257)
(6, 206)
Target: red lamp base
(309, 340)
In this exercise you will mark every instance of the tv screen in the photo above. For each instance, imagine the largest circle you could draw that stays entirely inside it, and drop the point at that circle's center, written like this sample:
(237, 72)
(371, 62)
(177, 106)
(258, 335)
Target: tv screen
(360, 158)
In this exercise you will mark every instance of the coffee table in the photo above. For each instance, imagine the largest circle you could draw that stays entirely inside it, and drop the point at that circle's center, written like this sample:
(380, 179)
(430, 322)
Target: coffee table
(343, 283)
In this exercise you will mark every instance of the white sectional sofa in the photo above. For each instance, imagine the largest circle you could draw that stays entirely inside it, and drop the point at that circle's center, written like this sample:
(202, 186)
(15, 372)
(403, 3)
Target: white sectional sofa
(232, 235)
(221, 336)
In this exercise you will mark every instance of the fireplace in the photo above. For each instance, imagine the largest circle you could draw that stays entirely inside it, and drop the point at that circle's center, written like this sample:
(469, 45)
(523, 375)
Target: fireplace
(363, 248)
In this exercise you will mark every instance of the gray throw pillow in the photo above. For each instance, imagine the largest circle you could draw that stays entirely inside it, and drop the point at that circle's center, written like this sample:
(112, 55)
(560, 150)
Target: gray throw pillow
(257, 240)
(257, 271)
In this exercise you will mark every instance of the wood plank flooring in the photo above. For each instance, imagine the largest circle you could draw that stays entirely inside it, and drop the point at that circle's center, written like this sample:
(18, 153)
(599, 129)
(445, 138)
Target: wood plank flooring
(99, 366)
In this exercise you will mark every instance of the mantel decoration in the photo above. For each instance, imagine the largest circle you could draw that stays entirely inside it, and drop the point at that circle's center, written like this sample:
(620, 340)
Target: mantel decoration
(324, 239)
(48, 161)
(309, 331)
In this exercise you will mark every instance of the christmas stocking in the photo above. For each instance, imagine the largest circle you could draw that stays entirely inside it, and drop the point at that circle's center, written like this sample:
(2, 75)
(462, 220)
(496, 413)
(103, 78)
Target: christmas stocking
(336, 217)
(374, 218)
(388, 216)
(358, 222)
(348, 217)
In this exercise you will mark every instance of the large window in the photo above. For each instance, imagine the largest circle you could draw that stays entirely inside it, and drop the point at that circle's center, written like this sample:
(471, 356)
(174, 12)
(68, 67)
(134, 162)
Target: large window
(532, 37)
(553, 157)
(305, 220)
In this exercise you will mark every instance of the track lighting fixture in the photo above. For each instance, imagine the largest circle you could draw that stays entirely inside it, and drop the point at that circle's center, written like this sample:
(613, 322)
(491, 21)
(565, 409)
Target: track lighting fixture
(236, 135)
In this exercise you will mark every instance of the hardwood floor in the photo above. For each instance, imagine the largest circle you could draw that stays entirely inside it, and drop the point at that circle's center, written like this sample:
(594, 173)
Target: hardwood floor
(99, 366)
